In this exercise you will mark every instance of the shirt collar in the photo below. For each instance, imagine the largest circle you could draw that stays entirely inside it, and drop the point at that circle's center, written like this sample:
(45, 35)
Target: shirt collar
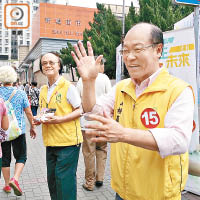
(149, 80)
(55, 84)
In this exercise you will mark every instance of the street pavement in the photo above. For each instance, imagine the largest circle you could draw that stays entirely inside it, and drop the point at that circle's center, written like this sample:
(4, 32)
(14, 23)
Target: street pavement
(33, 180)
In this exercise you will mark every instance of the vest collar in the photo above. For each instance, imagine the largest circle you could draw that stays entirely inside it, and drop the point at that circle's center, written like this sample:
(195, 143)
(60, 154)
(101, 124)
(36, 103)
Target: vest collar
(159, 84)
(59, 85)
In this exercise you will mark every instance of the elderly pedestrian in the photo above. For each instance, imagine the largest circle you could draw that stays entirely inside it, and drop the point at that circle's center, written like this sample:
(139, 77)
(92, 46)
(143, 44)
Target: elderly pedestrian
(20, 105)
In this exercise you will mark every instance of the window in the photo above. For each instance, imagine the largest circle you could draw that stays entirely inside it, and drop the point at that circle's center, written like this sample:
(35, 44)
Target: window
(78, 23)
(28, 43)
(6, 49)
(0, 49)
(68, 21)
(28, 35)
(21, 41)
(47, 20)
(6, 33)
(58, 21)
(6, 41)
(19, 32)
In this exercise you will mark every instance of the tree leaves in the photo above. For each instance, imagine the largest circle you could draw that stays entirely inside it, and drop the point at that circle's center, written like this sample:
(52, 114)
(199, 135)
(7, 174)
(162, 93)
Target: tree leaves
(105, 32)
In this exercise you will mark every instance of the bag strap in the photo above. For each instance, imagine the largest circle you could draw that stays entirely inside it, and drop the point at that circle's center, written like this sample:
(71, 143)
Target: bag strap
(11, 96)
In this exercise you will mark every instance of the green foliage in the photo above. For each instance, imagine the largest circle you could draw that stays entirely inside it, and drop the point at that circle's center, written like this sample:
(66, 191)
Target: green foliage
(104, 35)
(68, 61)
(105, 32)
(65, 54)
(162, 13)
(131, 18)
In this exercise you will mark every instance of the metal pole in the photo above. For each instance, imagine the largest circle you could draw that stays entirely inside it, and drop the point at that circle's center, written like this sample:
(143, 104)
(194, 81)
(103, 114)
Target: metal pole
(123, 19)
(122, 39)
(196, 31)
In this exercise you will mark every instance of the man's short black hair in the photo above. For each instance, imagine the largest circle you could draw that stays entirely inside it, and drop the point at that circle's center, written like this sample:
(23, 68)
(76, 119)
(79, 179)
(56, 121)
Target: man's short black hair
(33, 83)
(59, 59)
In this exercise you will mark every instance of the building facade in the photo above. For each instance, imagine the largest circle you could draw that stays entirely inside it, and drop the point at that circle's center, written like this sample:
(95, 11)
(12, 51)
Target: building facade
(11, 39)
(60, 22)
(52, 27)
(117, 10)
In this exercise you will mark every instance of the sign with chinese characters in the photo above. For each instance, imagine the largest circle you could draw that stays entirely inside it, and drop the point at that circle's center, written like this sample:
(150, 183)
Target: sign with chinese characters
(61, 22)
(67, 22)
(180, 59)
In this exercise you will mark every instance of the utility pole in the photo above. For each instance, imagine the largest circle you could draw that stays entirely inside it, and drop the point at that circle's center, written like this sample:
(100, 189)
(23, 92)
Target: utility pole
(122, 38)
(196, 31)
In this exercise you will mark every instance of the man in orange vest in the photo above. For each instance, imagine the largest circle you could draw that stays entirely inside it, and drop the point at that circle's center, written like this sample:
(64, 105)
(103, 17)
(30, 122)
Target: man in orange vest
(152, 118)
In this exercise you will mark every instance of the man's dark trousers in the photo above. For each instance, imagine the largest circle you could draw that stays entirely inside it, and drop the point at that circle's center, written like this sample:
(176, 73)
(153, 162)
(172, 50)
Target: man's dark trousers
(61, 171)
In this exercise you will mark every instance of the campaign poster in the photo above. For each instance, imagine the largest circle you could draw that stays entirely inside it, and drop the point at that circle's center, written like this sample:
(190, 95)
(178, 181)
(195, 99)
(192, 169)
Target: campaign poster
(179, 58)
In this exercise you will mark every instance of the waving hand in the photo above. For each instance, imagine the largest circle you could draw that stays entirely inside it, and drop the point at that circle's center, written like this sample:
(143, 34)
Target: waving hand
(87, 66)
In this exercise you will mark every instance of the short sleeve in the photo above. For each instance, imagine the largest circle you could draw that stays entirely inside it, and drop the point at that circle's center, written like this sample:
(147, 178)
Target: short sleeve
(79, 87)
(3, 106)
(73, 97)
(25, 100)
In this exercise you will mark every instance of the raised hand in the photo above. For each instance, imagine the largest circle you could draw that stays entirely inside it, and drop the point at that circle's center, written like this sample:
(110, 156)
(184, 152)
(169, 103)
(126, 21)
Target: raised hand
(87, 67)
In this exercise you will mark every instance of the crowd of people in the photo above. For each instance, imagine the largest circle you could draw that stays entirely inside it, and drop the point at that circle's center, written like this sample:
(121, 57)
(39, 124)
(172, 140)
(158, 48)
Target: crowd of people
(147, 118)
(31, 91)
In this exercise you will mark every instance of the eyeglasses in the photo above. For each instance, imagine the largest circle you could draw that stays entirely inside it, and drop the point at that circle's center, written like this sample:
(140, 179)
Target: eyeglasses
(138, 49)
(50, 63)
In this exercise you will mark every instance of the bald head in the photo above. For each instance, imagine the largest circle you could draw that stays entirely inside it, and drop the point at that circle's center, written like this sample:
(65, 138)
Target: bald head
(152, 32)
(142, 49)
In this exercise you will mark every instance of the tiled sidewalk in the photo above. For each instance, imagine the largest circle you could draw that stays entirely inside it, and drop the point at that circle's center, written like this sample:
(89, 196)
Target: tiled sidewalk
(33, 180)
